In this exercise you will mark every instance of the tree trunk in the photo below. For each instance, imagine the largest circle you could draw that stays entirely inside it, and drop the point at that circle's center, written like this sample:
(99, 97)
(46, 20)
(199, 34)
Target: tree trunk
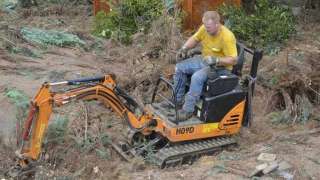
(248, 5)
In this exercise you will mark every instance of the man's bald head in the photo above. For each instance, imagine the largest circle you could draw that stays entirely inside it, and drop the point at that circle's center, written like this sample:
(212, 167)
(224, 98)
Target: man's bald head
(211, 21)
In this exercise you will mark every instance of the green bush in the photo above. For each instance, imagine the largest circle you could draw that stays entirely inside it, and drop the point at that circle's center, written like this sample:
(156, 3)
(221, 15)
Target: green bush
(20, 100)
(57, 130)
(268, 26)
(127, 18)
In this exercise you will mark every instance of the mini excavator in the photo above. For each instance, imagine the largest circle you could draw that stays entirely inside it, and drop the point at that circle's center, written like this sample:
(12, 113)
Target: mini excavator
(224, 107)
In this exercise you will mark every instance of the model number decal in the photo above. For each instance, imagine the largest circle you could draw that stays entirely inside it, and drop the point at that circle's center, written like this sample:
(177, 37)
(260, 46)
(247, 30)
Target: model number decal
(210, 127)
(185, 130)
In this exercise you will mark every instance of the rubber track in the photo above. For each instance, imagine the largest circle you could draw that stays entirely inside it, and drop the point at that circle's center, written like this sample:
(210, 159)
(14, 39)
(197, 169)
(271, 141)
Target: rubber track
(178, 153)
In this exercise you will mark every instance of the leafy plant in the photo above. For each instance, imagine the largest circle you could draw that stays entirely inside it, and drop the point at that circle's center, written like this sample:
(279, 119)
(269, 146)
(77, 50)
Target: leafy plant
(267, 27)
(126, 18)
(20, 100)
(57, 130)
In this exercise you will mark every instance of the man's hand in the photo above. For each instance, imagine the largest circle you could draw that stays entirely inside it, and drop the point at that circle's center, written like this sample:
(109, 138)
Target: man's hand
(211, 60)
(182, 53)
(193, 52)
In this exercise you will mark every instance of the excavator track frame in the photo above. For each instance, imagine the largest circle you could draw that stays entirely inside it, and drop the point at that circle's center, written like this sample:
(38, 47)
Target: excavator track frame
(179, 154)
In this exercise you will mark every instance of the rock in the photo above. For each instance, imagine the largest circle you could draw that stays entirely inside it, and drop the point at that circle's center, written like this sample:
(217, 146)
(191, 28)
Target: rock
(261, 166)
(96, 169)
(267, 157)
(285, 175)
(283, 165)
(264, 168)
(271, 167)
(256, 172)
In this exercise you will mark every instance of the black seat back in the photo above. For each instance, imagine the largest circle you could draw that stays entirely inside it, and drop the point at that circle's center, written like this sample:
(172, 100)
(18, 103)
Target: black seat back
(237, 68)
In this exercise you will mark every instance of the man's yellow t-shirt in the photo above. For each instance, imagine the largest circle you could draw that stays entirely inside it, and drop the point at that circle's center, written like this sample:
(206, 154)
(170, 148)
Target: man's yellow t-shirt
(222, 44)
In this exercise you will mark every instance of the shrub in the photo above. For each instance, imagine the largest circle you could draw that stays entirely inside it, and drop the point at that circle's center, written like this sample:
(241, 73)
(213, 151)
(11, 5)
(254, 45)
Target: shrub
(57, 130)
(267, 27)
(127, 18)
(20, 100)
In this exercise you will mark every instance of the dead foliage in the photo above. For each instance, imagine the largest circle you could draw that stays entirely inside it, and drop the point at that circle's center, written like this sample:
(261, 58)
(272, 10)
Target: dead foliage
(294, 79)
(62, 9)
(87, 138)
(147, 57)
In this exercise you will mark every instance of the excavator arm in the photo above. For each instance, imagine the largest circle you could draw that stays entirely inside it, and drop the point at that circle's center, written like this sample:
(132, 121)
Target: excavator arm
(103, 89)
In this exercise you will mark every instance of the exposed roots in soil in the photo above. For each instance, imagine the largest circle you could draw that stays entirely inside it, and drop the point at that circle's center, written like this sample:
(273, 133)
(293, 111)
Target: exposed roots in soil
(295, 88)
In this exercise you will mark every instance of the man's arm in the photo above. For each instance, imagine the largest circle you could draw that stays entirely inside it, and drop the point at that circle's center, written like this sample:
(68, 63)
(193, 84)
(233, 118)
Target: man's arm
(230, 51)
(227, 61)
(191, 43)
(183, 52)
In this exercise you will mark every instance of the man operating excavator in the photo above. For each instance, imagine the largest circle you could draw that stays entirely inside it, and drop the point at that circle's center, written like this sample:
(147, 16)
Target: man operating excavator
(218, 51)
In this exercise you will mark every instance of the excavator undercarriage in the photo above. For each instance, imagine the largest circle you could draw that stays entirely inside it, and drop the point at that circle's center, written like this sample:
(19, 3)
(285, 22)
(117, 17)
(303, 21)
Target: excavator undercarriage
(224, 108)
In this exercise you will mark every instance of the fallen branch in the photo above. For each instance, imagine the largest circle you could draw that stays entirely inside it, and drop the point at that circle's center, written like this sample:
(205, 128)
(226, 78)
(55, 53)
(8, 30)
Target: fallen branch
(120, 152)
(7, 40)
(86, 120)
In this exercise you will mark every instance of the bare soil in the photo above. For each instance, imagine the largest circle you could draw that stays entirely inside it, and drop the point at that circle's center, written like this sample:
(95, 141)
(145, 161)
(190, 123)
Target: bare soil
(137, 68)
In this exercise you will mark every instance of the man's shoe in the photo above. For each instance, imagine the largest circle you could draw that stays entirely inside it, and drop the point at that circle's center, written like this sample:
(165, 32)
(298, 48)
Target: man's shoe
(183, 115)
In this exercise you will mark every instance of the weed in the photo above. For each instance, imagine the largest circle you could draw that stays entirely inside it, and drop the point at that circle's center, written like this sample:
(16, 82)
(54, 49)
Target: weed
(126, 18)
(274, 80)
(21, 101)
(24, 51)
(51, 37)
(57, 130)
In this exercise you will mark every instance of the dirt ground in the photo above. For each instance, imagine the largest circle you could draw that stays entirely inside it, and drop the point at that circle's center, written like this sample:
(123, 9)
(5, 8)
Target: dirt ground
(136, 70)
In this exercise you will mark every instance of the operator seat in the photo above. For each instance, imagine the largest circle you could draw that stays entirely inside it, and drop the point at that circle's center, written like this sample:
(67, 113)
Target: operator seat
(216, 85)
(220, 93)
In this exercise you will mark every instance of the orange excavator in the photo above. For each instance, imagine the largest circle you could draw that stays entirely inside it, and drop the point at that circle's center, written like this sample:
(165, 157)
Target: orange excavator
(224, 107)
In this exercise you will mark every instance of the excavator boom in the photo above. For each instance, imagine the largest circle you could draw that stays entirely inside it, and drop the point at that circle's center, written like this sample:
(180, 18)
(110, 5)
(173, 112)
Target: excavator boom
(103, 89)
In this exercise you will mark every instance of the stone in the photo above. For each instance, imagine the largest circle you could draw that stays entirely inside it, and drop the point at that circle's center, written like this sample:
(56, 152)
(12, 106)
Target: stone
(258, 170)
(255, 172)
(267, 157)
(262, 166)
(286, 175)
(284, 165)
(271, 167)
